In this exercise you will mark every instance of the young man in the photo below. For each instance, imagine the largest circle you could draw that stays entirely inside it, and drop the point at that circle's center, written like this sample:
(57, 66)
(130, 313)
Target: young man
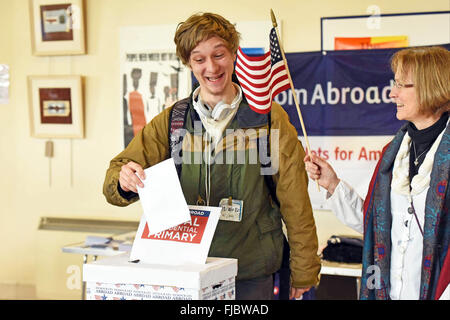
(207, 44)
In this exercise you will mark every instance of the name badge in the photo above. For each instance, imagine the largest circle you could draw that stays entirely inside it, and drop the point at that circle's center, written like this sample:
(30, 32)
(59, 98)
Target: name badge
(231, 209)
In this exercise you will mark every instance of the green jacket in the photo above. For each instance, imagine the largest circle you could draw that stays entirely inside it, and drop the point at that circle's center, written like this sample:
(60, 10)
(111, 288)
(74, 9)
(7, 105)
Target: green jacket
(257, 240)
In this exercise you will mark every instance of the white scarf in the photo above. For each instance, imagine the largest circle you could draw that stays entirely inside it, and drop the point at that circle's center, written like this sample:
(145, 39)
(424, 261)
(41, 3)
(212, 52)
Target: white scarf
(400, 173)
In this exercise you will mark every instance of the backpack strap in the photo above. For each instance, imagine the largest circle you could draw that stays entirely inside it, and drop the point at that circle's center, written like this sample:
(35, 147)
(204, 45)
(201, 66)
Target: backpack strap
(177, 120)
(269, 178)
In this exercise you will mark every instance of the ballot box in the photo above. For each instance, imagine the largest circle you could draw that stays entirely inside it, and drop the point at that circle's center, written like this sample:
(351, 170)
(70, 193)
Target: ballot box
(116, 278)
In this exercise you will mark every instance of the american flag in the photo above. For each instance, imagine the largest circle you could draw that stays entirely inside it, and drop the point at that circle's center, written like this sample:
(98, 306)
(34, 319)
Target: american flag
(263, 77)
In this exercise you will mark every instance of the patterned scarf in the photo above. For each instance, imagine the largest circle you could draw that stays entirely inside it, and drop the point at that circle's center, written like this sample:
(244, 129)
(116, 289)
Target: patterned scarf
(375, 282)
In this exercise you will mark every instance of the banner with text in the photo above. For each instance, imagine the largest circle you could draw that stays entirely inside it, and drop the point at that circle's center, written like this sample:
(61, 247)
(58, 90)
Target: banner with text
(346, 108)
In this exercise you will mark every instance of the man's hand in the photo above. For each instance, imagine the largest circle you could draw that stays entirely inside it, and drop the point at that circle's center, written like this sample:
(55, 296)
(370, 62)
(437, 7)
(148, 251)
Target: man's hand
(297, 292)
(128, 177)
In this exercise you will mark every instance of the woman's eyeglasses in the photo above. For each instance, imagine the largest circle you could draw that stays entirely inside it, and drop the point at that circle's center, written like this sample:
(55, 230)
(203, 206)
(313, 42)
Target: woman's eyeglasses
(399, 85)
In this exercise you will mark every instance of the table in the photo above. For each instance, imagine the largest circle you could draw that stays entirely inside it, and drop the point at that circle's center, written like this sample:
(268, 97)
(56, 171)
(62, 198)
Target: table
(343, 269)
(111, 249)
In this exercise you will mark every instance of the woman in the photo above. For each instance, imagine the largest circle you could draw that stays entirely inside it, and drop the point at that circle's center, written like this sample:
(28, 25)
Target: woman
(404, 218)
(207, 44)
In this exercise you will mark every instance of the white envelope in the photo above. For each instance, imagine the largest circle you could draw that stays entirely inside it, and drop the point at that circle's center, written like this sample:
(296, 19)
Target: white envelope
(162, 198)
(185, 243)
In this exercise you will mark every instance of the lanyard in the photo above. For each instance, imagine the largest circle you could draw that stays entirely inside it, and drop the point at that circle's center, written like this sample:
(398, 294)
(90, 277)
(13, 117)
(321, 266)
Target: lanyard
(207, 157)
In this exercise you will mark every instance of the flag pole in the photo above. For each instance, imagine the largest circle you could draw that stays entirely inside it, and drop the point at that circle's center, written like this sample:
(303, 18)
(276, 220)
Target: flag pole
(275, 25)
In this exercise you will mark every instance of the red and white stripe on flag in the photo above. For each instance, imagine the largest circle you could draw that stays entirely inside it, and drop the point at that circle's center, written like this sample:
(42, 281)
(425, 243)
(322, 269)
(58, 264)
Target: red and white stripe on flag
(263, 77)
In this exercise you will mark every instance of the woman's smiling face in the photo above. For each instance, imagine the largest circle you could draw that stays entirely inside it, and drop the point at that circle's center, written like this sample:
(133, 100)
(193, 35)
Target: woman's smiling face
(405, 98)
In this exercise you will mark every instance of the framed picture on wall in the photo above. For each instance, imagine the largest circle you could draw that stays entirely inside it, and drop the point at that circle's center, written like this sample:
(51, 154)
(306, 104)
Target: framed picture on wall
(56, 106)
(57, 27)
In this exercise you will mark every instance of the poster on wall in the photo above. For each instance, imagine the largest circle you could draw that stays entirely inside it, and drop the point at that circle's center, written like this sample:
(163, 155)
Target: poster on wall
(419, 27)
(151, 82)
(152, 77)
(359, 43)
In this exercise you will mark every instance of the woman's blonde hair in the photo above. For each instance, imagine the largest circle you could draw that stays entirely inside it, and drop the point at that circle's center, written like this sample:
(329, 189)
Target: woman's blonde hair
(430, 71)
(202, 26)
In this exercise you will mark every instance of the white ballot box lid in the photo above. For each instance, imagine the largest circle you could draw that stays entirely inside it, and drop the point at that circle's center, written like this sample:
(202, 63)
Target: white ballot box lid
(118, 269)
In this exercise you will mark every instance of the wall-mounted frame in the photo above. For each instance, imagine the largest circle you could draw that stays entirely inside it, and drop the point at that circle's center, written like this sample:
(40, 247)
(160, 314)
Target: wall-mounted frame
(57, 27)
(56, 106)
